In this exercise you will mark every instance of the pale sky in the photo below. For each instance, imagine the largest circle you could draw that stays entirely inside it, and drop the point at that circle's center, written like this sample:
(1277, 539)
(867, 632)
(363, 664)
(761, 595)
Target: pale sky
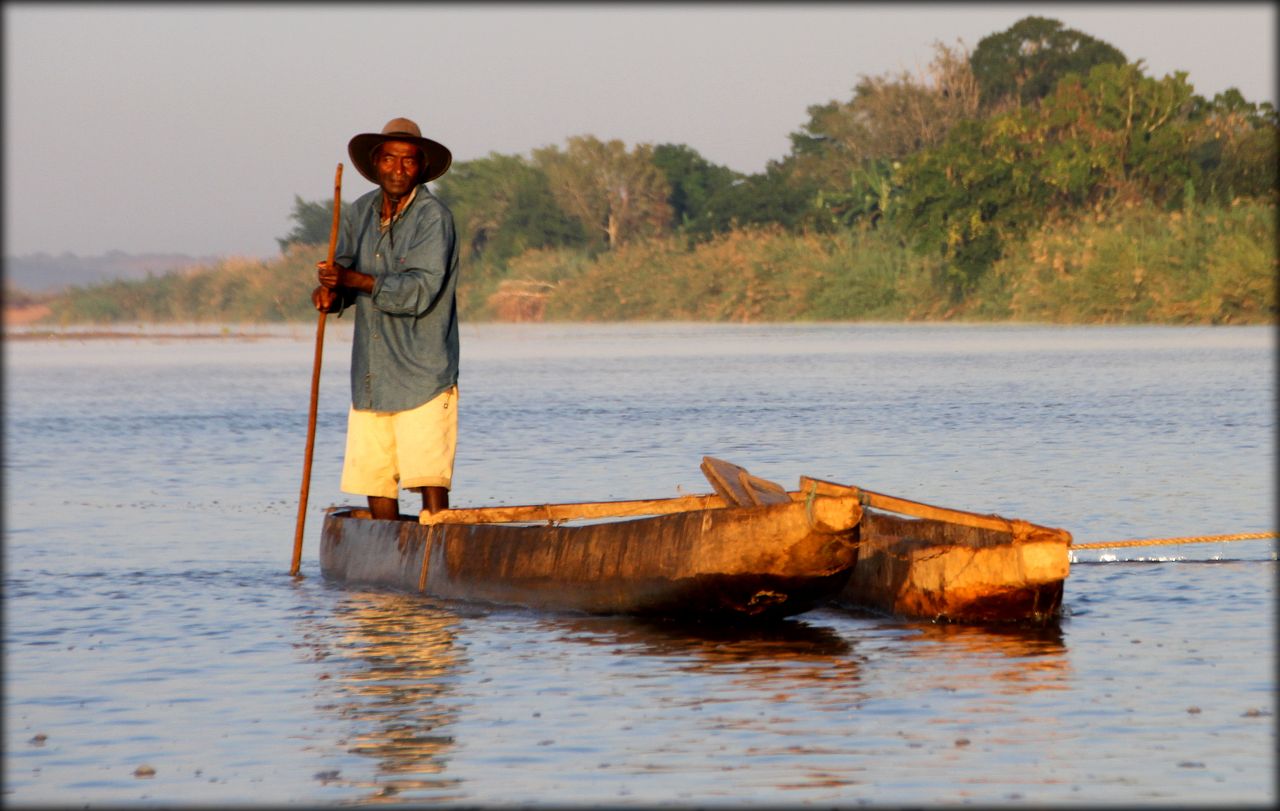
(189, 128)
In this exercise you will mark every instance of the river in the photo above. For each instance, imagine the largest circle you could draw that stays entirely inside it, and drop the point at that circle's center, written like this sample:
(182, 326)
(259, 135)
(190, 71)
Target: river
(157, 653)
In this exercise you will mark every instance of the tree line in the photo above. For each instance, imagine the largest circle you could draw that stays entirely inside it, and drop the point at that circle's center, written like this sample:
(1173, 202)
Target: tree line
(939, 179)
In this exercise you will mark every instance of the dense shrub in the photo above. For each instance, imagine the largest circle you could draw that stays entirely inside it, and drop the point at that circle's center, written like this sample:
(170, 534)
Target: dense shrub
(1143, 265)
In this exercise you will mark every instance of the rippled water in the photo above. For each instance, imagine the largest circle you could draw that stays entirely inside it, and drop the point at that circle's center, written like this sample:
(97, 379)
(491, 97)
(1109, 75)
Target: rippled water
(156, 651)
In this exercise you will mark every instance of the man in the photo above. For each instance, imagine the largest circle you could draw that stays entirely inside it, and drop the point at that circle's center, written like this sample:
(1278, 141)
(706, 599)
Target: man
(397, 262)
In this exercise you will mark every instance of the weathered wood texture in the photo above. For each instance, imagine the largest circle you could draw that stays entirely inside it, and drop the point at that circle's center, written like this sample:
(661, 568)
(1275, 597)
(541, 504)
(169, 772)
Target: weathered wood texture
(942, 570)
(555, 513)
(770, 561)
(752, 549)
(736, 486)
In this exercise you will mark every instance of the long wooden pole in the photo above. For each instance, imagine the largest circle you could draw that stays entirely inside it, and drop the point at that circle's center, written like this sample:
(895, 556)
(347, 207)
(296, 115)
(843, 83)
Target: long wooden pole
(315, 387)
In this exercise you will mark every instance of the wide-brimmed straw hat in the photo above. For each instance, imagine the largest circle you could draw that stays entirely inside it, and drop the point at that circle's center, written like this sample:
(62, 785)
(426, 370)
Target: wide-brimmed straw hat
(361, 149)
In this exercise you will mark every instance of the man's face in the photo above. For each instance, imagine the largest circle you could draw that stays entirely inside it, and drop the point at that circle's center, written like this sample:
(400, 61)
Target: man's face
(398, 164)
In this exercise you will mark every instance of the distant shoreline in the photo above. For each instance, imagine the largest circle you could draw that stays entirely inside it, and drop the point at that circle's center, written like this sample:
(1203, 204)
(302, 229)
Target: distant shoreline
(22, 324)
(98, 335)
(299, 331)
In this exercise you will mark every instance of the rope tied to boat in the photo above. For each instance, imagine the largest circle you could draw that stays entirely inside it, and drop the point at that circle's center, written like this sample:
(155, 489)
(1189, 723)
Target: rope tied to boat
(809, 499)
(1020, 530)
(1239, 536)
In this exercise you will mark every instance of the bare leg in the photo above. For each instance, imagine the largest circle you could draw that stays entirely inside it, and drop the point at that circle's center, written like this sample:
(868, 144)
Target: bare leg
(386, 509)
(435, 499)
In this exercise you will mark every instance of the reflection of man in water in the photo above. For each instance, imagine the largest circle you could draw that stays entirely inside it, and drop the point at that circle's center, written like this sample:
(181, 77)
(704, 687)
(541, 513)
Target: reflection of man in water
(396, 671)
(397, 262)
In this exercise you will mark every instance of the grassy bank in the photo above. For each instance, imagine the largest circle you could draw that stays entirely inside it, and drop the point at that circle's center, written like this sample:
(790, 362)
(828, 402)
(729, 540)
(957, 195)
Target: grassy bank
(1138, 265)
(236, 290)
(1132, 265)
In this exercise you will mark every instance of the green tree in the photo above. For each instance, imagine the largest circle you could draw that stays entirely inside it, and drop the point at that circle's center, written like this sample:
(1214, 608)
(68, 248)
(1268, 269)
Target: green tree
(694, 181)
(312, 222)
(1236, 152)
(479, 193)
(774, 197)
(535, 220)
(1026, 61)
(848, 150)
(502, 205)
(1116, 137)
(867, 197)
(888, 118)
(959, 200)
(616, 194)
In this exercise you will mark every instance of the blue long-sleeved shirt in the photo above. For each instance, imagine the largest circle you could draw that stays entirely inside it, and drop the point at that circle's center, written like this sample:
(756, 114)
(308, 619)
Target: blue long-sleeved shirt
(405, 347)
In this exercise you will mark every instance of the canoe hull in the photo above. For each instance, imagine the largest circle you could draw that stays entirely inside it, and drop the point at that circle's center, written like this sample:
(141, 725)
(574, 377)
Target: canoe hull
(761, 562)
(938, 570)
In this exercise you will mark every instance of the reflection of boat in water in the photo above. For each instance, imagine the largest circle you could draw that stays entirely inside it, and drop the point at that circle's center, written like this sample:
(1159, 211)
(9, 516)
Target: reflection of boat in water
(786, 639)
(750, 550)
(1008, 641)
(1008, 658)
(433, 701)
(808, 667)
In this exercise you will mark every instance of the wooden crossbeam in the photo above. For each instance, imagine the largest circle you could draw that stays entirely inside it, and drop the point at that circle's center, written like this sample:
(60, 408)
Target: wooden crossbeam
(552, 513)
(902, 505)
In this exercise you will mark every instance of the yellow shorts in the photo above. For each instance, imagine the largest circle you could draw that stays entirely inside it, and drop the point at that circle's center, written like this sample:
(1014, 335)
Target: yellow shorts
(387, 450)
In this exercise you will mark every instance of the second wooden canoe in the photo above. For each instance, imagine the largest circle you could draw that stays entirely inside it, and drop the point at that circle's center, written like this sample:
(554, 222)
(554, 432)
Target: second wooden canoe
(922, 561)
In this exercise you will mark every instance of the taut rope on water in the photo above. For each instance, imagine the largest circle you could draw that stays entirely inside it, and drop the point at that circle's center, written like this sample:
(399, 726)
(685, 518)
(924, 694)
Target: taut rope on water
(1239, 536)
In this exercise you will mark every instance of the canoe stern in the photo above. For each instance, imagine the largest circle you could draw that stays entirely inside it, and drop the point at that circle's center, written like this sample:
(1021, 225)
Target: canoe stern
(356, 549)
(939, 571)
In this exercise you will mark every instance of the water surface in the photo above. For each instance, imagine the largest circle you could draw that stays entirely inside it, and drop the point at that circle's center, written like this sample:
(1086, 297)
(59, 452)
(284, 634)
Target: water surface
(151, 491)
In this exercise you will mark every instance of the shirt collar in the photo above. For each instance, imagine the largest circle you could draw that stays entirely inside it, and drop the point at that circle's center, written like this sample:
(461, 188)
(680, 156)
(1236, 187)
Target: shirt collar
(404, 206)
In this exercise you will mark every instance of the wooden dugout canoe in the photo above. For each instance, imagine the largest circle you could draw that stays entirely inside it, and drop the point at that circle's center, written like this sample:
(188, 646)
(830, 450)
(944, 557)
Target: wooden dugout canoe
(752, 549)
(927, 562)
(692, 556)
(951, 565)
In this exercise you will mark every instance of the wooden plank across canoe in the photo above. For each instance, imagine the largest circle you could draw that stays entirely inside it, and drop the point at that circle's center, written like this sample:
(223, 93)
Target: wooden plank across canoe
(559, 513)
